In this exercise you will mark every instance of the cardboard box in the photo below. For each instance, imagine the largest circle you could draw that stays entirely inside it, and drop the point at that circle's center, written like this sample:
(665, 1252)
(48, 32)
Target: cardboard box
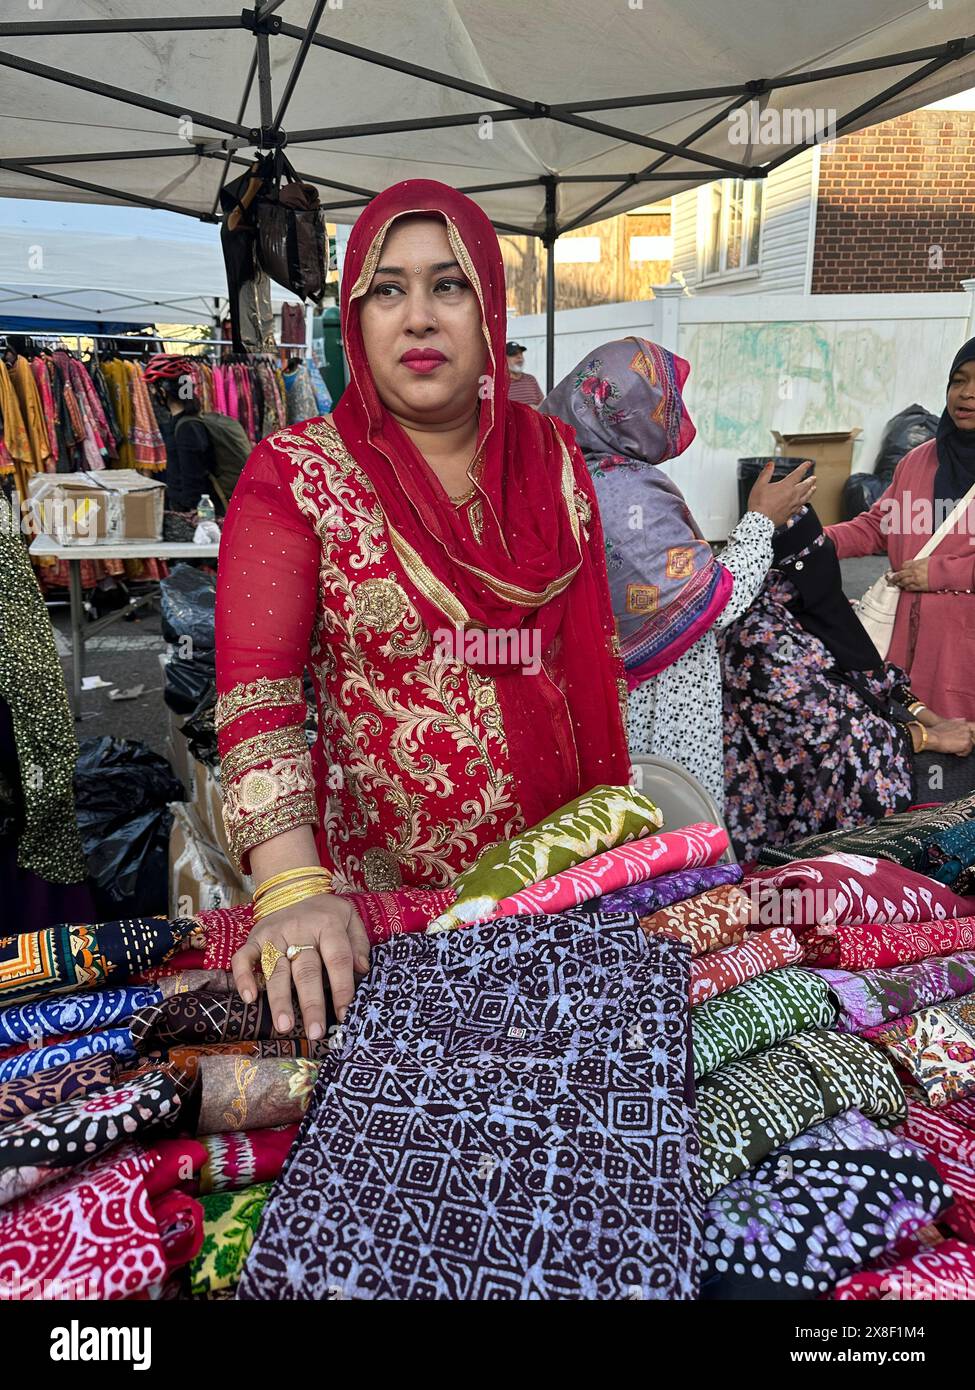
(201, 878)
(114, 504)
(832, 452)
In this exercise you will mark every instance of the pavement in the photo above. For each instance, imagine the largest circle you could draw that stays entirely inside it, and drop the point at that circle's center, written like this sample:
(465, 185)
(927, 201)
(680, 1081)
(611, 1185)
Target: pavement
(127, 654)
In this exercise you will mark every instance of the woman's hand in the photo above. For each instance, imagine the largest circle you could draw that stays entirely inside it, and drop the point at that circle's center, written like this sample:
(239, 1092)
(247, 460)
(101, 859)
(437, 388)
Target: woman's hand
(779, 501)
(913, 576)
(334, 930)
(951, 736)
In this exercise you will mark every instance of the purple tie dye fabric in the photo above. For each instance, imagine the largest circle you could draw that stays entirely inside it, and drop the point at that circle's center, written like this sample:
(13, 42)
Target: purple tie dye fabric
(509, 1116)
(644, 898)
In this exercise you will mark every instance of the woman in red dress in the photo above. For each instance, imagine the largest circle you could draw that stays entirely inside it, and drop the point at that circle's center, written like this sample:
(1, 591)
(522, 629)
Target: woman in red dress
(432, 554)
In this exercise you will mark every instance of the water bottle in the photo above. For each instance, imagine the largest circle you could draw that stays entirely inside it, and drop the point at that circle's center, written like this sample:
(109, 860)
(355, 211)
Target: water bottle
(204, 509)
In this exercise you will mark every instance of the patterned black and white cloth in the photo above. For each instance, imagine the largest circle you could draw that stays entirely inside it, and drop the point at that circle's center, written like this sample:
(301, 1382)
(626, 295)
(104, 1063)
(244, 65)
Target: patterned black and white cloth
(509, 1117)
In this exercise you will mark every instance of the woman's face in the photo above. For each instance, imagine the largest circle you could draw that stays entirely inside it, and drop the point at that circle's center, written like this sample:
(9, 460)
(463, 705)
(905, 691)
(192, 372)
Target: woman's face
(421, 326)
(961, 396)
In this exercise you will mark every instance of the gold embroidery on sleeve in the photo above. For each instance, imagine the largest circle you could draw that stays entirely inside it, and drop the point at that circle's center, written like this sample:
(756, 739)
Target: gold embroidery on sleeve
(264, 693)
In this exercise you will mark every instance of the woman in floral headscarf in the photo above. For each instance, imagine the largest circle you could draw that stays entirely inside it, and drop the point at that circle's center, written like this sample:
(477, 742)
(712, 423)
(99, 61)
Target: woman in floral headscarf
(670, 595)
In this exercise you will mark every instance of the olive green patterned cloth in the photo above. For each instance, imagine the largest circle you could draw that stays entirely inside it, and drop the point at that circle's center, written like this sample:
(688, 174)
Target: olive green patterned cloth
(757, 1015)
(32, 687)
(598, 820)
(748, 1108)
(230, 1221)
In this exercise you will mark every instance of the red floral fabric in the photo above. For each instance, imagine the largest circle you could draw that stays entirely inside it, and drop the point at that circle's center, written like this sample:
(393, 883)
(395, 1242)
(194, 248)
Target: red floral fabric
(864, 947)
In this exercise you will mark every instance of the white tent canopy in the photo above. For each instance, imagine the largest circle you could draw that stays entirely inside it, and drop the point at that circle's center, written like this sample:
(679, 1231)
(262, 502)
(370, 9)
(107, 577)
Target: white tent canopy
(131, 265)
(530, 67)
(551, 113)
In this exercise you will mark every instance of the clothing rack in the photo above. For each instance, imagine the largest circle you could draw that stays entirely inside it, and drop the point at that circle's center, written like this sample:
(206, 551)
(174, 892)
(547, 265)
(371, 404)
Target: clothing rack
(45, 341)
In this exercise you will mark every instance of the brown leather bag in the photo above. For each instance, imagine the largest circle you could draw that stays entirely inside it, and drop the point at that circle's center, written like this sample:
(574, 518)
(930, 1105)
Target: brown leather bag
(292, 239)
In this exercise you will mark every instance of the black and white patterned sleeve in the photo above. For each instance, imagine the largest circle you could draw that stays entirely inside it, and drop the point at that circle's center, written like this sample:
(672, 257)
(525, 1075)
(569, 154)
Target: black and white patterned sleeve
(748, 555)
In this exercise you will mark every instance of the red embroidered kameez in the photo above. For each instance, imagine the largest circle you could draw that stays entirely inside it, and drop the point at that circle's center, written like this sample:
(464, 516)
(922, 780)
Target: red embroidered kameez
(342, 555)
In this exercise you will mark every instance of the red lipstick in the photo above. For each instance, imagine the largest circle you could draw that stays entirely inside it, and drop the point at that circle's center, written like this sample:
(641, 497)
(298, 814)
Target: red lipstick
(423, 359)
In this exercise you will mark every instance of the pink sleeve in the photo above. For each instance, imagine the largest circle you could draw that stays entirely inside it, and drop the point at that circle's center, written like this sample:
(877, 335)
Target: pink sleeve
(867, 534)
(266, 607)
(951, 572)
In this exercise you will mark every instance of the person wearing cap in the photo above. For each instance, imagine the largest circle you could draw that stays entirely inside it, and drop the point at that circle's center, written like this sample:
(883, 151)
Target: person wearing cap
(524, 388)
(210, 448)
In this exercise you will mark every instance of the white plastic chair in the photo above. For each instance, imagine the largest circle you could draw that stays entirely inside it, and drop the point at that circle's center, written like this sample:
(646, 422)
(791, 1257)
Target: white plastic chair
(679, 795)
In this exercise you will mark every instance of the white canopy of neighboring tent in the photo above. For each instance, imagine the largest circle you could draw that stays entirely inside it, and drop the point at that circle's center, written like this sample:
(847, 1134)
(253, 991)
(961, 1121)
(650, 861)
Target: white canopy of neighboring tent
(584, 90)
(128, 265)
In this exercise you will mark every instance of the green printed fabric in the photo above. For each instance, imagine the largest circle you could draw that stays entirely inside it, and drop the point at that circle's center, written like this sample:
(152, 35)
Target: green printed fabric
(748, 1108)
(230, 1222)
(757, 1015)
(598, 820)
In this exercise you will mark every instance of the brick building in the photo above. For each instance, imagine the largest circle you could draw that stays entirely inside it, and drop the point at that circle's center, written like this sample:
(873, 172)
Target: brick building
(896, 207)
(890, 209)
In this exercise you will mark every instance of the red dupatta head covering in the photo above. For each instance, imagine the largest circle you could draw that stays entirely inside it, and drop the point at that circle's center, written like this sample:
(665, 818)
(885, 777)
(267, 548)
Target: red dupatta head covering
(531, 569)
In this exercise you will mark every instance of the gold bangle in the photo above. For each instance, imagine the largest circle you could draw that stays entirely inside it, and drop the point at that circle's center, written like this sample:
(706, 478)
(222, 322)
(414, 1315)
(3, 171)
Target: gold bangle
(266, 909)
(916, 708)
(291, 876)
(924, 735)
(299, 890)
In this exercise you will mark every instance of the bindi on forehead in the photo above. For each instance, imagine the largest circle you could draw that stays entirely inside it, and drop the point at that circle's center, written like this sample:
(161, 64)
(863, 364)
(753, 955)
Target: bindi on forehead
(436, 268)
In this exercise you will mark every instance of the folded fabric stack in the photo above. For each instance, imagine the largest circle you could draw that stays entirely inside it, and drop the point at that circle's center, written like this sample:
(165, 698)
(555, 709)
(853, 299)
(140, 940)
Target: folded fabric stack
(602, 1065)
(892, 938)
(144, 1112)
(507, 1117)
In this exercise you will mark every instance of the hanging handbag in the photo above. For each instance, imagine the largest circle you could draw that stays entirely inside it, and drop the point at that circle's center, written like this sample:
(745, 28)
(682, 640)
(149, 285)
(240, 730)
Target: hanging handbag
(877, 609)
(292, 236)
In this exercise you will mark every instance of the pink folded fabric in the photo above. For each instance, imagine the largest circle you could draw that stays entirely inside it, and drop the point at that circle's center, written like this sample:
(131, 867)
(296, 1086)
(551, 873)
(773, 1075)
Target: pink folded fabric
(946, 1272)
(718, 971)
(690, 848)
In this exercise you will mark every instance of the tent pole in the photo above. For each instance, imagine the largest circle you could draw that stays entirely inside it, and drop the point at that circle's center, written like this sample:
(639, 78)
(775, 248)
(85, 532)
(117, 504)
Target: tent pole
(298, 63)
(548, 240)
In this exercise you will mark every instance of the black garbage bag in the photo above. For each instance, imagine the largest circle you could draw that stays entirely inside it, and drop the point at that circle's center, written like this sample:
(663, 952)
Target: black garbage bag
(188, 599)
(122, 795)
(860, 491)
(187, 682)
(908, 429)
(200, 731)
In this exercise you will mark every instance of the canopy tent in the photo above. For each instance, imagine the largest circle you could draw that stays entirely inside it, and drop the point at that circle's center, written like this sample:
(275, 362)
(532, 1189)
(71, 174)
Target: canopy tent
(73, 267)
(550, 114)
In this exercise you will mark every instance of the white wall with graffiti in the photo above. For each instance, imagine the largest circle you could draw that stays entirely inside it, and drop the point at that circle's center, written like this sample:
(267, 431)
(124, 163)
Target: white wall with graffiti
(794, 363)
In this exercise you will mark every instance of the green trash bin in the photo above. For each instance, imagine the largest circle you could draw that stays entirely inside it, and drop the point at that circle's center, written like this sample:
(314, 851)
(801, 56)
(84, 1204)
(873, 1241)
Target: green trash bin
(328, 331)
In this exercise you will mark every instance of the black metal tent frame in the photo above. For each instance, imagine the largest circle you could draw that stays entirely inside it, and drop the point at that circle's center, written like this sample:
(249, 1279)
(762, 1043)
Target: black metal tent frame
(265, 24)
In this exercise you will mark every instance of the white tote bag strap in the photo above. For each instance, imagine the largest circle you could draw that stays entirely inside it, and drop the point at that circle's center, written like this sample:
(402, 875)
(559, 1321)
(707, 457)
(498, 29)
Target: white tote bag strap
(946, 525)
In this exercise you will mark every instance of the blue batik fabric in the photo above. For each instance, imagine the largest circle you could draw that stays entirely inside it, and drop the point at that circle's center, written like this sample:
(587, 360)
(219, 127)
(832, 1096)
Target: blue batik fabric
(117, 1041)
(830, 1202)
(73, 1013)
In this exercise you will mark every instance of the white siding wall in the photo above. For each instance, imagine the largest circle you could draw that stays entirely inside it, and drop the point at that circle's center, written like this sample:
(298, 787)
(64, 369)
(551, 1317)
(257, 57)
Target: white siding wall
(795, 363)
(787, 232)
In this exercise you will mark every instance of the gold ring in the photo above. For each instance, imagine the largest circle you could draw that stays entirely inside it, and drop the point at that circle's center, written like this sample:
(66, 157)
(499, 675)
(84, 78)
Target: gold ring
(270, 955)
(292, 951)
